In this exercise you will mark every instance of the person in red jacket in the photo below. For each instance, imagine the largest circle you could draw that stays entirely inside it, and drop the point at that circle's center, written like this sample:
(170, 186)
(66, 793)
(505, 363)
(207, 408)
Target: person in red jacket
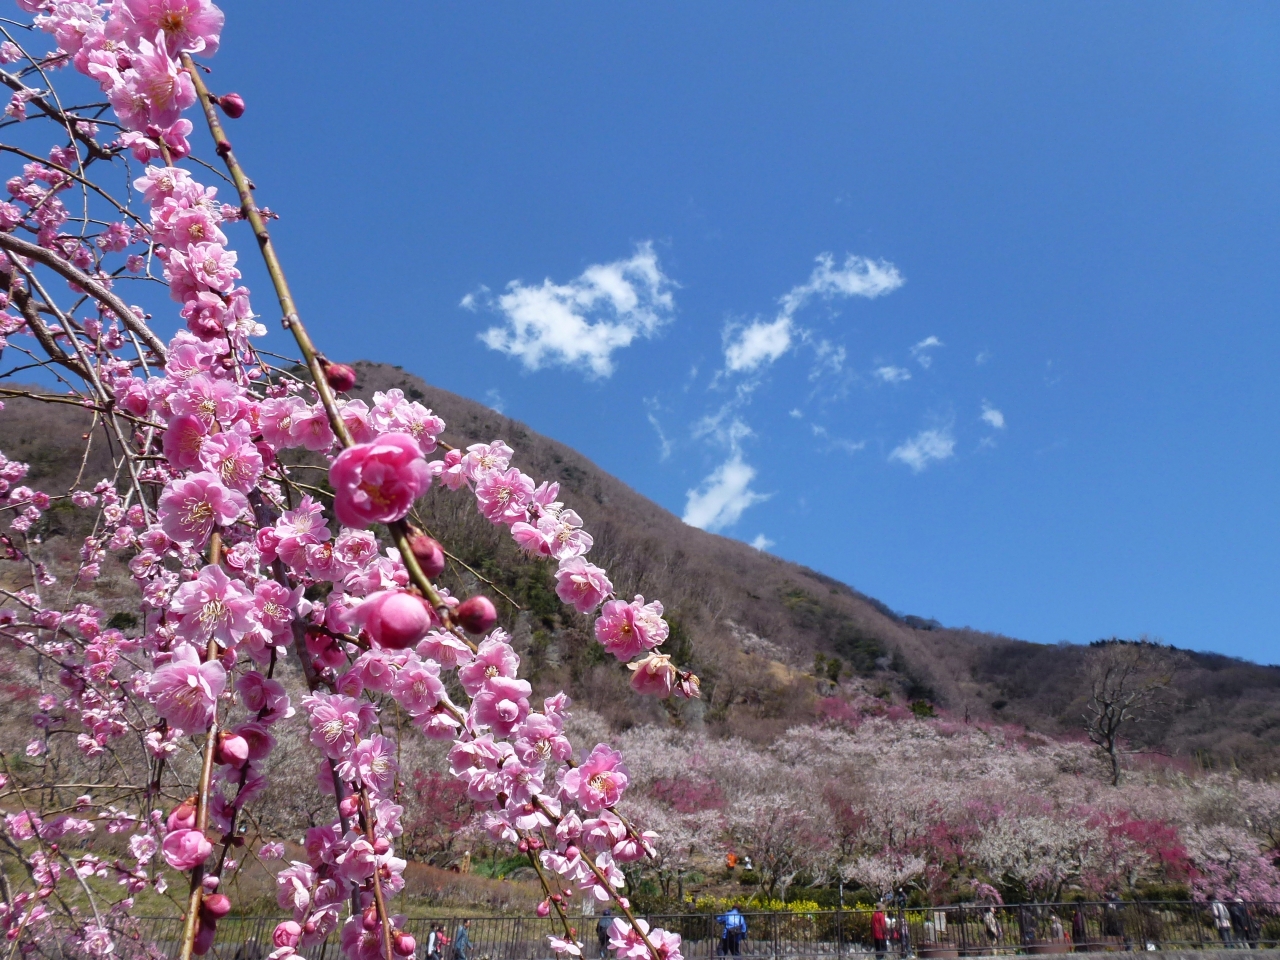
(880, 931)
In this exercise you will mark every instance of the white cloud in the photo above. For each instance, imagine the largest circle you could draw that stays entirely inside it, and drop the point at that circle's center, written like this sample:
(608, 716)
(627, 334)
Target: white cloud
(925, 446)
(992, 416)
(664, 442)
(581, 323)
(921, 351)
(761, 542)
(723, 496)
(891, 374)
(796, 413)
(982, 357)
(748, 347)
(859, 277)
(762, 342)
(495, 400)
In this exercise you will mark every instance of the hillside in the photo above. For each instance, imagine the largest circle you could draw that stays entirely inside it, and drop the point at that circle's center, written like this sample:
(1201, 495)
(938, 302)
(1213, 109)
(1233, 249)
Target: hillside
(770, 639)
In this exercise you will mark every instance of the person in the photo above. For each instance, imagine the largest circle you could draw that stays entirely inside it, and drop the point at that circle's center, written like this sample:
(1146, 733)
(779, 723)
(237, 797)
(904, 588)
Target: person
(1221, 920)
(1242, 924)
(1079, 931)
(433, 942)
(1055, 928)
(991, 924)
(880, 931)
(602, 932)
(462, 941)
(735, 931)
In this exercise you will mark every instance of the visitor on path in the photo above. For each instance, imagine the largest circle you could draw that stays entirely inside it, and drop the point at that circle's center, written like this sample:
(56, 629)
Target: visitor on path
(880, 931)
(1221, 920)
(735, 931)
(991, 925)
(1079, 931)
(433, 943)
(602, 932)
(462, 941)
(1242, 925)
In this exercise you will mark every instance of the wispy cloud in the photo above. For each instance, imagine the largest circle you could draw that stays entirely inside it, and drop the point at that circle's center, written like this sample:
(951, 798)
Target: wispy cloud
(924, 448)
(580, 324)
(921, 351)
(747, 348)
(837, 443)
(859, 277)
(992, 416)
(663, 440)
(494, 399)
(761, 542)
(761, 342)
(891, 374)
(723, 496)
(982, 357)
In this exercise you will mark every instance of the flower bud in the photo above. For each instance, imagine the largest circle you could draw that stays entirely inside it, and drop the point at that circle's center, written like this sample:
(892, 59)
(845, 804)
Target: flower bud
(523, 846)
(340, 376)
(232, 750)
(288, 933)
(544, 908)
(476, 614)
(428, 553)
(204, 937)
(396, 619)
(349, 806)
(381, 845)
(404, 944)
(370, 918)
(210, 882)
(232, 105)
(183, 816)
(215, 906)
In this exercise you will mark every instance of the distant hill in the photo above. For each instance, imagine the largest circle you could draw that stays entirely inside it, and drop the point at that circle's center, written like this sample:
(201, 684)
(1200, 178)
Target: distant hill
(771, 640)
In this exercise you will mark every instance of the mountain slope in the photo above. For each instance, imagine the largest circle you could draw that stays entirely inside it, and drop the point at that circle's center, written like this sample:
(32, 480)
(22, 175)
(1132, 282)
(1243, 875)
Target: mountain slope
(774, 642)
(753, 623)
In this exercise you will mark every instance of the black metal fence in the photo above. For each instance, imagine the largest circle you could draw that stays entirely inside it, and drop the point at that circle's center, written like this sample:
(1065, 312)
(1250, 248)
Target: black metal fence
(941, 932)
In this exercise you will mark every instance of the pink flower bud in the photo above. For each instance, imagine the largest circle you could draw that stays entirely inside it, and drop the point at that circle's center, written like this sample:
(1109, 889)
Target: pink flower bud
(544, 908)
(370, 918)
(403, 944)
(349, 806)
(428, 553)
(378, 482)
(340, 376)
(232, 750)
(212, 882)
(395, 619)
(654, 675)
(183, 816)
(215, 906)
(287, 934)
(185, 849)
(232, 105)
(204, 937)
(476, 614)
(381, 845)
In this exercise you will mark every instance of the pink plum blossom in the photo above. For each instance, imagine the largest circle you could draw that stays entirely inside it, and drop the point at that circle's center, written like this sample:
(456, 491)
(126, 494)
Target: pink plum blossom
(213, 607)
(494, 658)
(502, 704)
(582, 584)
(190, 26)
(190, 507)
(185, 849)
(185, 691)
(627, 629)
(504, 497)
(654, 676)
(600, 781)
(378, 482)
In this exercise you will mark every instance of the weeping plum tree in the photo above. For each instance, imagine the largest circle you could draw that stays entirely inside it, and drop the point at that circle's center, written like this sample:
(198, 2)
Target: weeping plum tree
(237, 566)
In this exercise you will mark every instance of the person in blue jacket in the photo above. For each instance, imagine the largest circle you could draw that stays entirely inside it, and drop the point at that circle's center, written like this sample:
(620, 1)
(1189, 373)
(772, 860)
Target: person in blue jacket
(735, 931)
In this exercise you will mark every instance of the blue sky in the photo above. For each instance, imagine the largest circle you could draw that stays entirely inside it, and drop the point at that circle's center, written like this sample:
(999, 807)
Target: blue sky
(971, 306)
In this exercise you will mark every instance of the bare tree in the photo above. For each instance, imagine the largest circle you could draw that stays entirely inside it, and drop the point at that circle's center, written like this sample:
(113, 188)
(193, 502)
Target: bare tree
(1128, 685)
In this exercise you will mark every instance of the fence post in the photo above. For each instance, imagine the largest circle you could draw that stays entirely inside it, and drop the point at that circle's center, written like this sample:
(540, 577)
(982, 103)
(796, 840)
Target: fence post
(839, 931)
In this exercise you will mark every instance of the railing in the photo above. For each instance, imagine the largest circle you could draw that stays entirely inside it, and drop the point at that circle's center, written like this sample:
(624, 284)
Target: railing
(939, 932)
